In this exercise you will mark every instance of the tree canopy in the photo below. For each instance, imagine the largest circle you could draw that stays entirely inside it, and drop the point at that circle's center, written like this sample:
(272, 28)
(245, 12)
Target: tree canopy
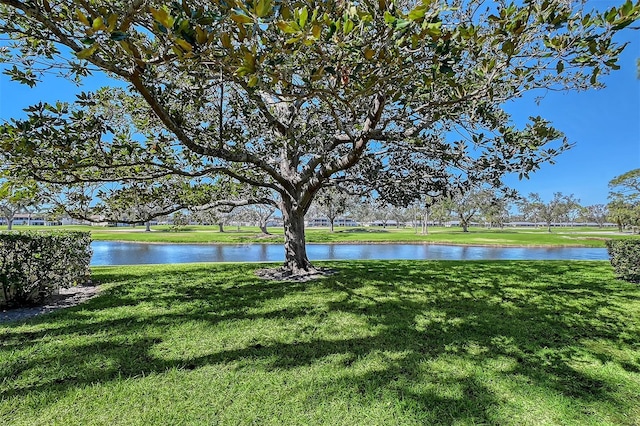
(626, 186)
(18, 194)
(624, 196)
(291, 96)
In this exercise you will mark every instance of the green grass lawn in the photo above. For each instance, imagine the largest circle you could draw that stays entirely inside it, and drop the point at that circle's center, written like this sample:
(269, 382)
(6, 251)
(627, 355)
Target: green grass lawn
(379, 343)
(589, 237)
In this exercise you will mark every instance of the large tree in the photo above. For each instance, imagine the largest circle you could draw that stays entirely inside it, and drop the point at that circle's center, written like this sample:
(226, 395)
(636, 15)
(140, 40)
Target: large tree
(332, 202)
(468, 204)
(624, 196)
(553, 211)
(597, 213)
(260, 214)
(626, 186)
(496, 210)
(291, 96)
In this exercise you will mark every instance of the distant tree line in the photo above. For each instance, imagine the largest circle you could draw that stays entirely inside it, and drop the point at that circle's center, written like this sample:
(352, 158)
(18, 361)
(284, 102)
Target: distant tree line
(484, 206)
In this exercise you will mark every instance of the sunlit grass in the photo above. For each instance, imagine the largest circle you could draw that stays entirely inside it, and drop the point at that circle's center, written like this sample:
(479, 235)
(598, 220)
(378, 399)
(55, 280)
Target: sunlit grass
(380, 342)
(587, 237)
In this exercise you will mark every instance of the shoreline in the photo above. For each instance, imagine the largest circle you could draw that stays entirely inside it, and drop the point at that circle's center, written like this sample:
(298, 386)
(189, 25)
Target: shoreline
(441, 243)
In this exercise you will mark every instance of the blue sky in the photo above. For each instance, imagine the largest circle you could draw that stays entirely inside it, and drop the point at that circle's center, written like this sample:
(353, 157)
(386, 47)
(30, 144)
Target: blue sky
(604, 125)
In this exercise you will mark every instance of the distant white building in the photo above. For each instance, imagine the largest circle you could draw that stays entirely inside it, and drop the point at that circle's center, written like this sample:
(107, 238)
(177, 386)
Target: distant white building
(30, 219)
(324, 222)
(385, 223)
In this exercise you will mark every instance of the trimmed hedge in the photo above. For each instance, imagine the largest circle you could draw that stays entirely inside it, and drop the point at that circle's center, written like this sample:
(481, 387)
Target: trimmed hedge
(34, 265)
(625, 258)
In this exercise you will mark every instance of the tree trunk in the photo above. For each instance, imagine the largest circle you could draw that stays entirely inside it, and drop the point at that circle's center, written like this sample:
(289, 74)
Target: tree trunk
(263, 228)
(425, 224)
(331, 224)
(295, 249)
(147, 226)
(221, 227)
(9, 224)
(465, 226)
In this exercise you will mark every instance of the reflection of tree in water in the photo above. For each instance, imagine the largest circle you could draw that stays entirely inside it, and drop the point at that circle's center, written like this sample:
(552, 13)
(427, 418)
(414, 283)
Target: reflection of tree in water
(219, 254)
(264, 252)
(332, 252)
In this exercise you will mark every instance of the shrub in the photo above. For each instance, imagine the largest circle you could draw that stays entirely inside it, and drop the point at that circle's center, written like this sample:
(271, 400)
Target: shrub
(625, 258)
(34, 265)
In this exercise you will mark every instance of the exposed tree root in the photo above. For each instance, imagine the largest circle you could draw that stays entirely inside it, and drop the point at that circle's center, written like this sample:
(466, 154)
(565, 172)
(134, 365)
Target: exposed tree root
(300, 275)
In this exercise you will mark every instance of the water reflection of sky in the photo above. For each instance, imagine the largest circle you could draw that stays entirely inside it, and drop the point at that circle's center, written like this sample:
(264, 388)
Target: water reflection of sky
(120, 253)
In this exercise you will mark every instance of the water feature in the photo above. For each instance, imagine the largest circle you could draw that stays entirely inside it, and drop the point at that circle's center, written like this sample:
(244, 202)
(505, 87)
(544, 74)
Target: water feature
(124, 253)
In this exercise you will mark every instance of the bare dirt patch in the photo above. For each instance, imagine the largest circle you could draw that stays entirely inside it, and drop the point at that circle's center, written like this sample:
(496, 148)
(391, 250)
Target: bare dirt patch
(66, 298)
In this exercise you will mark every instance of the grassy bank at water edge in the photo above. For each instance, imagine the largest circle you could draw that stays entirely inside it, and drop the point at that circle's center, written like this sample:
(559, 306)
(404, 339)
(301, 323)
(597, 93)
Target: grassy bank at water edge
(584, 237)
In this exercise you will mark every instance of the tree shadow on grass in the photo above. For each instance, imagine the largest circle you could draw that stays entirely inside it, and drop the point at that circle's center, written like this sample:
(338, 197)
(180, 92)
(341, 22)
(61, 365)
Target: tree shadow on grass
(535, 315)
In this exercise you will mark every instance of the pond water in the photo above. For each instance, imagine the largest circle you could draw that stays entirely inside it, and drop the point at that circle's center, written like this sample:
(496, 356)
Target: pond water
(124, 253)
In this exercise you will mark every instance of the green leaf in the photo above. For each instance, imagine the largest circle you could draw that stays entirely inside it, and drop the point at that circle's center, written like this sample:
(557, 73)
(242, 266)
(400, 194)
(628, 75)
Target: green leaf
(184, 45)
(241, 19)
(402, 24)
(418, 13)
(82, 18)
(347, 27)
(162, 16)
(97, 24)
(205, 20)
(304, 14)
(507, 47)
(389, 18)
(85, 53)
(242, 71)
(250, 61)
(285, 27)
(112, 21)
(560, 67)
(225, 39)
(263, 8)
(434, 29)
(368, 53)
